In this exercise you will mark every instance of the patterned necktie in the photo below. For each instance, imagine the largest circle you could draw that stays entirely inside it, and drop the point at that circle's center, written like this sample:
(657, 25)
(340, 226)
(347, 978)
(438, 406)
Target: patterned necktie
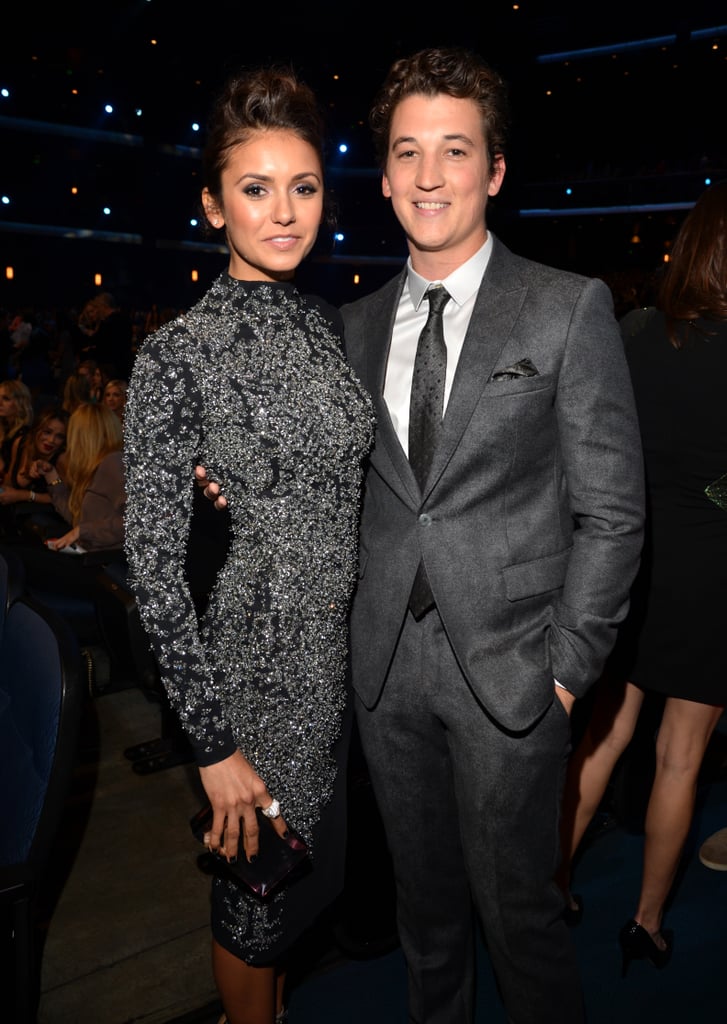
(427, 388)
(425, 417)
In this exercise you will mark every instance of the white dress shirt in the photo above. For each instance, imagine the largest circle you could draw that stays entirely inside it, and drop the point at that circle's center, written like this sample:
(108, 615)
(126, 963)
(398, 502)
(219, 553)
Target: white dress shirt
(463, 285)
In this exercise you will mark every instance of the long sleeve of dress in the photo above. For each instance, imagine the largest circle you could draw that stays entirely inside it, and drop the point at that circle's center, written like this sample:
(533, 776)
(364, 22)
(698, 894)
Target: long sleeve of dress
(162, 434)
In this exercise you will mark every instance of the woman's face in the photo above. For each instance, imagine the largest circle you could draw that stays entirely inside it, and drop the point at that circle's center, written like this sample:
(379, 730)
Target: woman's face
(97, 378)
(114, 397)
(272, 205)
(8, 405)
(50, 438)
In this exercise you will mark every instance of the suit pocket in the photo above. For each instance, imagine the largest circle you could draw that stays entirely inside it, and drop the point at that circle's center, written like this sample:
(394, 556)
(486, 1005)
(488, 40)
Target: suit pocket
(519, 385)
(528, 579)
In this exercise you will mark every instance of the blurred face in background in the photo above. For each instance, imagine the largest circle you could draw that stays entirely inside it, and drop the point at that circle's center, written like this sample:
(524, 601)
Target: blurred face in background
(115, 397)
(50, 438)
(8, 405)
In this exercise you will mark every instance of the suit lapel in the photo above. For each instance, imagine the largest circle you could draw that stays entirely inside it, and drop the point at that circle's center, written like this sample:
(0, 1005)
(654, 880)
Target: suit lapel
(388, 457)
(496, 309)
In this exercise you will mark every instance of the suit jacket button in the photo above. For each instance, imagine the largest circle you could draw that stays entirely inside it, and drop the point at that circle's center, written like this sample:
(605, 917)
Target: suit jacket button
(425, 519)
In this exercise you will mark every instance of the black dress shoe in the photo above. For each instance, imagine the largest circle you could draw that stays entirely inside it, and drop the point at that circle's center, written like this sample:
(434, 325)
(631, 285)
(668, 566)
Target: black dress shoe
(573, 913)
(637, 944)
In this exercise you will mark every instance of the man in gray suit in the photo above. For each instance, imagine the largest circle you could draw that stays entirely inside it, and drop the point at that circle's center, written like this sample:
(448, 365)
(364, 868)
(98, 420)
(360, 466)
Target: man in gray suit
(523, 533)
(499, 541)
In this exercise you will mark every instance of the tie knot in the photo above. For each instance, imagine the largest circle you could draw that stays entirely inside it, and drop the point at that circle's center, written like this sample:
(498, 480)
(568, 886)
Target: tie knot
(438, 297)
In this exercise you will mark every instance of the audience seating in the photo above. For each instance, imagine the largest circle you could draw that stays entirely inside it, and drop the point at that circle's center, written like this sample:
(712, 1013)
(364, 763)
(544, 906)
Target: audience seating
(41, 700)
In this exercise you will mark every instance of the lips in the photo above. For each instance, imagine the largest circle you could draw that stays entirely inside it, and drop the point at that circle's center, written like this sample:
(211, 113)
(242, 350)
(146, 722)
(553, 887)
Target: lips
(284, 243)
(431, 206)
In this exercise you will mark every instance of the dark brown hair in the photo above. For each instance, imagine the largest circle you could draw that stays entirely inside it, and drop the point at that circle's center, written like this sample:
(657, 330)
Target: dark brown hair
(694, 284)
(450, 70)
(264, 99)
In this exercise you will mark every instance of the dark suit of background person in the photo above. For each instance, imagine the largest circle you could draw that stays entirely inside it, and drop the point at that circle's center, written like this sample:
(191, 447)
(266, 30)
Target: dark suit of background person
(530, 528)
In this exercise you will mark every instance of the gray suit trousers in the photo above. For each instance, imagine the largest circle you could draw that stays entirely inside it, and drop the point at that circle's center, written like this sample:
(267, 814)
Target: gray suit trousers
(471, 815)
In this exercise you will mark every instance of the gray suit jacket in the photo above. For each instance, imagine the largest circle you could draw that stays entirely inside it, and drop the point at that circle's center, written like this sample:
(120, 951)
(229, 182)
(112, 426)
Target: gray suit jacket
(531, 522)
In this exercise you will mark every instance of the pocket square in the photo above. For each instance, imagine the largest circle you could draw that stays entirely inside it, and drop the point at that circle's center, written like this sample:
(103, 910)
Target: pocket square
(523, 368)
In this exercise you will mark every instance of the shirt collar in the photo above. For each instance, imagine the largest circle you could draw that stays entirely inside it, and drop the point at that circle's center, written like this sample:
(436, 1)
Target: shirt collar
(461, 284)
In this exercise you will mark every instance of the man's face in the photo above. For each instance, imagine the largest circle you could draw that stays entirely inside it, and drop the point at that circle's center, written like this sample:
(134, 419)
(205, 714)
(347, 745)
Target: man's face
(438, 176)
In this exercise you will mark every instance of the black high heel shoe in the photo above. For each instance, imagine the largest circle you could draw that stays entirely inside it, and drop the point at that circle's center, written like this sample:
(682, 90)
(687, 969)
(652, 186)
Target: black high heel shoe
(637, 944)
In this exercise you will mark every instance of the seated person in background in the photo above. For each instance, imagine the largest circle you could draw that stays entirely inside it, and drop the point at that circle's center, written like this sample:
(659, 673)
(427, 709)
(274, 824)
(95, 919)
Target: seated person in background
(45, 441)
(90, 501)
(99, 379)
(91, 495)
(76, 390)
(114, 397)
(16, 416)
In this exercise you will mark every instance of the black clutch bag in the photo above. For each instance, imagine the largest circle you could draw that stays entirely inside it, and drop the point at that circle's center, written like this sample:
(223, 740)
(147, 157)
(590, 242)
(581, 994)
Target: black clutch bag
(278, 860)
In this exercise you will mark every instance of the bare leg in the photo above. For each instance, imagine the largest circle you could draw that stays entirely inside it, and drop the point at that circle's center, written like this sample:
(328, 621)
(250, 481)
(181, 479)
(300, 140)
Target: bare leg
(248, 993)
(684, 733)
(611, 726)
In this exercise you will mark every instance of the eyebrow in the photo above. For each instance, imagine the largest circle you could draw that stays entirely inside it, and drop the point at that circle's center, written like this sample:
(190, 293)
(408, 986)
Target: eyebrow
(454, 137)
(254, 176)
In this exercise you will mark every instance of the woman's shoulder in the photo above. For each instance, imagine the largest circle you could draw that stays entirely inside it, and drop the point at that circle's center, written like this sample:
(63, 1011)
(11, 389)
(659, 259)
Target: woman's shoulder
(112, 463)
(330, 313)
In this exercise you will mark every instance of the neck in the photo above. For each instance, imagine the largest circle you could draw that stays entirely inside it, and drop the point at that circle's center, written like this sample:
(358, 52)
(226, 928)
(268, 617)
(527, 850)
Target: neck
(437, 265)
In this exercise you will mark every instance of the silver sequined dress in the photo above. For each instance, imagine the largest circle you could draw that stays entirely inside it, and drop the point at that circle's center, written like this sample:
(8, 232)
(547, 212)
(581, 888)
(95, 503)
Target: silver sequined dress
(252, 384)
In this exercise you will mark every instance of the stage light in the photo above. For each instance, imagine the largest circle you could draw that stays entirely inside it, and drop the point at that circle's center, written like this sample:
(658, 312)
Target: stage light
(339, 236)
(107, 210)
(109, 109)
(9, 273)
(97, 280)
(195, 276)
(5, 93)
(343, 147)
(195, 126)
(5, 200)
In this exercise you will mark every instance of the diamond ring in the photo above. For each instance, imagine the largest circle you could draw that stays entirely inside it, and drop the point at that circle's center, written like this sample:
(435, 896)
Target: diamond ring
(273, 811)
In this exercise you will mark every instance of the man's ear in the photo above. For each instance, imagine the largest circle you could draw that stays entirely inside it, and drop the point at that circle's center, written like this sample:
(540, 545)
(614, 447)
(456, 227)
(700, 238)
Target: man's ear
(212, 210)
(385, 187)
(497, 175)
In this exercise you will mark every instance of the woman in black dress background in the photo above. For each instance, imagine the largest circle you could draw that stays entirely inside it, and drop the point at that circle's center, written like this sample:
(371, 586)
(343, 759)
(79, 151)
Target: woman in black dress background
(672, 644)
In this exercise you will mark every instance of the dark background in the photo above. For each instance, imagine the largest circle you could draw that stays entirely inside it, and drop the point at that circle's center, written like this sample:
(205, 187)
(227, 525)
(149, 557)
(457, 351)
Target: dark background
(630, 117)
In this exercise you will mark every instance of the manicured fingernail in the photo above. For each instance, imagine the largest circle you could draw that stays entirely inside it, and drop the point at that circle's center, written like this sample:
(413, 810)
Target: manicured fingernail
(233, 860)
(286, 834)
(253, 858)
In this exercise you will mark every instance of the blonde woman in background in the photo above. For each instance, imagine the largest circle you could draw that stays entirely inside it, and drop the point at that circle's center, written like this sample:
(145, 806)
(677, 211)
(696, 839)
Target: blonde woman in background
(114, 396)
(91, 495)
(16, 417)
(62, 558)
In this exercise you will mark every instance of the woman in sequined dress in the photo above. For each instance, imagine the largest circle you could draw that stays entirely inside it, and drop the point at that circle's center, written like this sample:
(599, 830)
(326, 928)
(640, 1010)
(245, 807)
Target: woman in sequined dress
(672, 643)
(252, 383)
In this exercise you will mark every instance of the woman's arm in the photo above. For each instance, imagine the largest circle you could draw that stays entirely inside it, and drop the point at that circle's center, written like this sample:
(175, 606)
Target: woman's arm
(101, 523)
(163, 428)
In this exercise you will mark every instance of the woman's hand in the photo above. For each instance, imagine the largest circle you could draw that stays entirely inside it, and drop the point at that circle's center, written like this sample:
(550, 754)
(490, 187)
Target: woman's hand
(39, 468)
(58, 543)
(211, 489)
(235, 789)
